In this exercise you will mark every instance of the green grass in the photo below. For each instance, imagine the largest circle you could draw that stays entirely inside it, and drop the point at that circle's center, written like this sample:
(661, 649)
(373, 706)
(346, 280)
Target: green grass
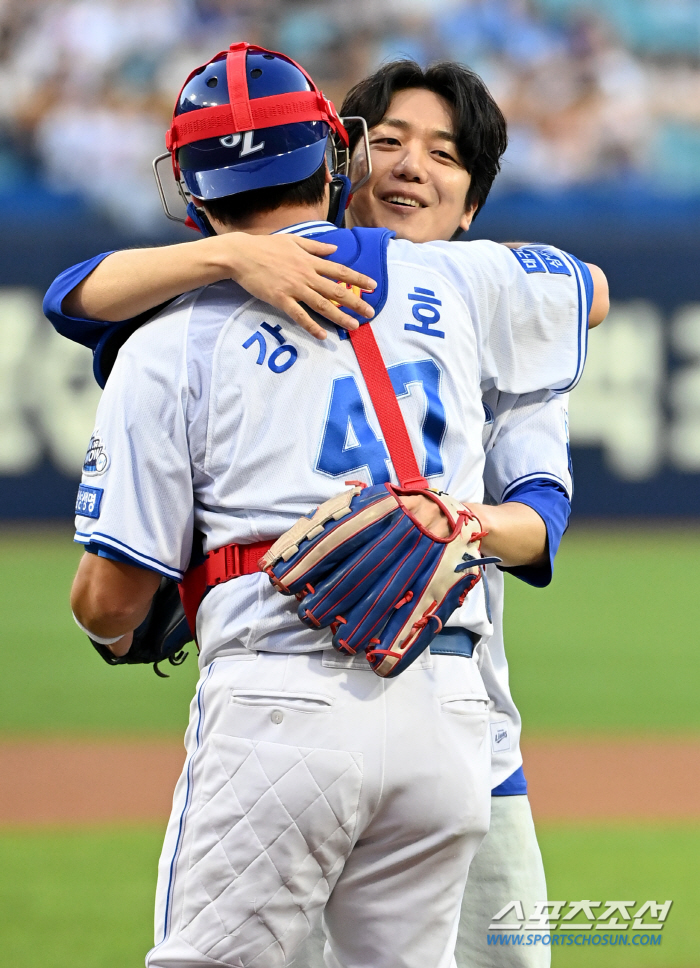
(80, 899)
(642, 863)
(85, 898)
(610, 646)
(51, 679)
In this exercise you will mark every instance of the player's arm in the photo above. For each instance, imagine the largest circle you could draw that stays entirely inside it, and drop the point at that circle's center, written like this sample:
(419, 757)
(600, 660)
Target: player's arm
(600, 303)
(111, 598)
(283, 270)
(135, 505)
(516, 533)
(528, 465)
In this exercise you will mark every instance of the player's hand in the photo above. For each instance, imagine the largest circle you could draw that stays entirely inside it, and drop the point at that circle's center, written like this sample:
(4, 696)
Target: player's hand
(287, 270)
(123, 645)
(428, 513)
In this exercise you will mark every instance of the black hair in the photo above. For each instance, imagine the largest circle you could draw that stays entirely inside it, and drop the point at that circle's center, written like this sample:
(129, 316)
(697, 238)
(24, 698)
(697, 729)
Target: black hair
(233, 209)
(480, 127)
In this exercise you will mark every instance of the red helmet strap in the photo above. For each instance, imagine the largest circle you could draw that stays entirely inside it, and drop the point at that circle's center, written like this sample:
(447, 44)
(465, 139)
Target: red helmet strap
(238, 87)
(242, 114)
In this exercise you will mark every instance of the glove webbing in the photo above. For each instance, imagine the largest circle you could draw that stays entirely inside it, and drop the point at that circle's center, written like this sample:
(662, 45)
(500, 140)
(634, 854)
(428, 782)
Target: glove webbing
(386, 407)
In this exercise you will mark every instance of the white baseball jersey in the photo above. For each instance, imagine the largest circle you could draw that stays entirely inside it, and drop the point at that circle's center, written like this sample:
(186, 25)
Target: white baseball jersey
(220, 416)
(525, 437)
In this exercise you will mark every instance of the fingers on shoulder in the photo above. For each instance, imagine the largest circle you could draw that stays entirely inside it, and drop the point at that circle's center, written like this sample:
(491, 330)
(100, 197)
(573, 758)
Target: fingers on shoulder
(336, 270)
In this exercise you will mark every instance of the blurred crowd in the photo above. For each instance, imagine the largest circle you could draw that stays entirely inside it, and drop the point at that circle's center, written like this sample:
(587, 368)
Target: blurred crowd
(594, 90)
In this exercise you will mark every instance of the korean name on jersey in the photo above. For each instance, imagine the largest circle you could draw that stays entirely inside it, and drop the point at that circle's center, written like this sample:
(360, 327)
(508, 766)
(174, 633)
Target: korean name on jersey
(221, 415)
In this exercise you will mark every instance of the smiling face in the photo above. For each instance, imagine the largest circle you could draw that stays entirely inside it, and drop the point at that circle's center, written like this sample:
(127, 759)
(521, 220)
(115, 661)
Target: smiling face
(418, 185)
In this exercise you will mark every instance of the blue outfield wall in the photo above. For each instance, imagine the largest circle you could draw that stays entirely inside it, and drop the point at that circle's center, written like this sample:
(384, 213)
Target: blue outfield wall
(634, 419)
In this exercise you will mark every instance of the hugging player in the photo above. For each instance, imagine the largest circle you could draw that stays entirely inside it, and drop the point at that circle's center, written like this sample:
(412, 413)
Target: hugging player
(419, 185)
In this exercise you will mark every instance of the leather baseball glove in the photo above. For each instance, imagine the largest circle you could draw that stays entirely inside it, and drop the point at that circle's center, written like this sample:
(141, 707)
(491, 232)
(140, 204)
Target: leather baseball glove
(160, 637)
(364, 566)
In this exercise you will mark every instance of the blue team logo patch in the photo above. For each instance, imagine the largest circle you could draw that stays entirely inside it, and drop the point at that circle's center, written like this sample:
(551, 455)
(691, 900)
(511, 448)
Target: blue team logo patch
(554, 262)
(96, 459)
(529, 260)
(88, 502)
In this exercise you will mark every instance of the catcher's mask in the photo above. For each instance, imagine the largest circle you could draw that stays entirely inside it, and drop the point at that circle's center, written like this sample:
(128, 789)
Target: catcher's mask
(252, 118)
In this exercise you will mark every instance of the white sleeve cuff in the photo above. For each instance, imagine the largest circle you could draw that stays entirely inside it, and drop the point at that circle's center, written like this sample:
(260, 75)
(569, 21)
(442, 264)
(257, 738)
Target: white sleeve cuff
(100, 639)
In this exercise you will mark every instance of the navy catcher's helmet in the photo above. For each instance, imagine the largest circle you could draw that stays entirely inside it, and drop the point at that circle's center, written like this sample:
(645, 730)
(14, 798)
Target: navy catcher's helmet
(249, 118)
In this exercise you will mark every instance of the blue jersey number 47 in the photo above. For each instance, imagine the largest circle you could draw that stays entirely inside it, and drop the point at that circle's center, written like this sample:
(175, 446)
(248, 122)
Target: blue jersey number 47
(349, 444)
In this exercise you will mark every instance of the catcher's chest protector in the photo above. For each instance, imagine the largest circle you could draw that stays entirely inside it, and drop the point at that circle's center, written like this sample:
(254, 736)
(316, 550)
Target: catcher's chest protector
(364, 250)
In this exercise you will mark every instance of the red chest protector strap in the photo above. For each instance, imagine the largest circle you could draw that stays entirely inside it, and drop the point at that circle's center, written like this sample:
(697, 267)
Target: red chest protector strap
(219, 566)
(235, 560)
(386, 407)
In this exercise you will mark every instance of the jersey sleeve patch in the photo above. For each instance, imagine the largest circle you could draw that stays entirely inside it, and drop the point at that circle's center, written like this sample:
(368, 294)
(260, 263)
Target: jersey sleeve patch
(529, 260)
(88, 502)
(96, 459)
(554, 262)
(541, 259)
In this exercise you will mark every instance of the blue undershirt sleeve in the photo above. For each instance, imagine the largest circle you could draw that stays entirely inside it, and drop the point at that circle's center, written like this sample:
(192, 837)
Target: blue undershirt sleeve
(85, 331)
(551, 502)
(102, 551)
(513, 786)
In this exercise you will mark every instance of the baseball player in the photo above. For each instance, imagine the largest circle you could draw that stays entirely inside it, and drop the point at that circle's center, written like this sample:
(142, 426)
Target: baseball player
(510, 418)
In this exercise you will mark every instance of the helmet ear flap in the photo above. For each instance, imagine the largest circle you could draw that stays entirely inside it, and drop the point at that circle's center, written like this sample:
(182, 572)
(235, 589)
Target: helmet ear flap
(197, 219)
(340, 196)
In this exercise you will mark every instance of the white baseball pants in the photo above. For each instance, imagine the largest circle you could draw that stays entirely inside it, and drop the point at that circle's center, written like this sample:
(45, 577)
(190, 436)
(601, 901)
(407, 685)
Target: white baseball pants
(313, 787)
(507, 866)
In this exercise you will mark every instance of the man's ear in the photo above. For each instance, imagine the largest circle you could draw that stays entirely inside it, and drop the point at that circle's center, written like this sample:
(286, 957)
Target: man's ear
(466, 219)
(328, 177)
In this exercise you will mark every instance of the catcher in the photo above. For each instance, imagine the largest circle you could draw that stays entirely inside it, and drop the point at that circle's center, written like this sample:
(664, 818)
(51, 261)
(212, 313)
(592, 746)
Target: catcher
(432, 623)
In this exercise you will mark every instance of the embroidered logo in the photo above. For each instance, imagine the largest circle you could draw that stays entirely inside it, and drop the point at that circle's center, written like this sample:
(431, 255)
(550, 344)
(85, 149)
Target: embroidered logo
(500, 740)
(540, 259)
(529, 260)
(88, 501)
(96, 459)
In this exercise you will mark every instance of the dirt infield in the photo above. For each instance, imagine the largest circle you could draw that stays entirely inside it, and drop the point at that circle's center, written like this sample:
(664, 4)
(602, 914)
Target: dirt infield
(70, 781)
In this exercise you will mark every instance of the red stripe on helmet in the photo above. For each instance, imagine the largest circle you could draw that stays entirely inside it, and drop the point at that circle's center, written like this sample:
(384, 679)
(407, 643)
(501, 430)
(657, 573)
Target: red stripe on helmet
(238, 88)
(265, 112)
(242, 114)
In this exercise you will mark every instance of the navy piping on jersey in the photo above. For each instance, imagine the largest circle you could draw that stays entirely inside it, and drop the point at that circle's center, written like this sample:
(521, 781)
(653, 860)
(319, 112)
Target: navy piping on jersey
(307, 228)
(581, 271)
(550, 500)
(514, 785)
(186, 806)
(136, 557)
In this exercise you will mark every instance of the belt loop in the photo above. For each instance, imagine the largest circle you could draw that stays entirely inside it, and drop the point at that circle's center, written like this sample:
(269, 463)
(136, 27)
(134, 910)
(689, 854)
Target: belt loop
(231, 562)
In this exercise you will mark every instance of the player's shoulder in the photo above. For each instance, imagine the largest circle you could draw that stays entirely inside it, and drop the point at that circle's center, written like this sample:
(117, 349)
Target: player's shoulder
(481, 254)
(189, 316)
